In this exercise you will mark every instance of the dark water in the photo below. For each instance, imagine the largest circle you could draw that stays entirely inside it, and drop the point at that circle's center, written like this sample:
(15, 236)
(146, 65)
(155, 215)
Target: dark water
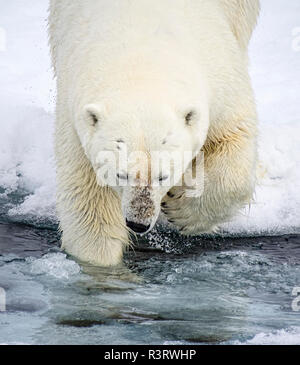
(170, 290)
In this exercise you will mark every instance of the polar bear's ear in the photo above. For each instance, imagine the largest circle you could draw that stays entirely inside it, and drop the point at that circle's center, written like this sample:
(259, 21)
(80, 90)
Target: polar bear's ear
(191, 116)
(93, 113)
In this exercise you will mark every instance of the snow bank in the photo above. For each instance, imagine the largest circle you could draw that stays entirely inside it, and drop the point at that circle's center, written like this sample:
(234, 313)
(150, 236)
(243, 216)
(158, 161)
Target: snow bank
(27, 114)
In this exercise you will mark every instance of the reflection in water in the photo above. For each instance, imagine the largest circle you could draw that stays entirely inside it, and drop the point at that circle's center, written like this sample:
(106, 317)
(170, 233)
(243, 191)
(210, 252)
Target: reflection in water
(209, 291)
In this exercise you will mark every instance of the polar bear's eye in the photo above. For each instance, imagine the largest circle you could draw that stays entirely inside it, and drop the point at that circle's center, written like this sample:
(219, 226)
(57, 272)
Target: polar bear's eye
(123, 176)
(163, 177)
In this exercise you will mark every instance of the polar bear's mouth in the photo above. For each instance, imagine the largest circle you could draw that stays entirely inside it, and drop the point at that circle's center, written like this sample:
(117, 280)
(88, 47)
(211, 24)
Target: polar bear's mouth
(137, 227)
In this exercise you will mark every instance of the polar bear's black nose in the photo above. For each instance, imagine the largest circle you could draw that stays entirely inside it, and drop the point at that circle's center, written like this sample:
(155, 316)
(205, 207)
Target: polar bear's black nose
(137, 227)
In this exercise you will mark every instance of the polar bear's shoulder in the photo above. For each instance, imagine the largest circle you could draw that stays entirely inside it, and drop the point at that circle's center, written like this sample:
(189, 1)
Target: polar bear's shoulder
(242, 16)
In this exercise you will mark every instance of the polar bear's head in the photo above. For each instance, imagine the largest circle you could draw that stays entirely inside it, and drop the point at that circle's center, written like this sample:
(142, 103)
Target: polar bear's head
(141, 145)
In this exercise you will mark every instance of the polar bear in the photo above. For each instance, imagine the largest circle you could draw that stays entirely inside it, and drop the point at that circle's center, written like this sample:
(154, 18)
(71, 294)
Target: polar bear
(150, 76)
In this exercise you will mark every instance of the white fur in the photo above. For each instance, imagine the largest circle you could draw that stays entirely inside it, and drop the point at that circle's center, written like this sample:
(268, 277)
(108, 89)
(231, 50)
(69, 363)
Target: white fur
(140, 66)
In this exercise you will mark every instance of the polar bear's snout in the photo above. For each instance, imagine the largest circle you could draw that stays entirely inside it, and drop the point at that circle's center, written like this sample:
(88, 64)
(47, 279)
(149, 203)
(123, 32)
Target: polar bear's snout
(140, 209)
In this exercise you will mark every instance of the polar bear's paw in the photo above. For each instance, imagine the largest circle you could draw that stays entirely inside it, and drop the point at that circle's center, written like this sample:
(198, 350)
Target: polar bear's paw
(183, 212)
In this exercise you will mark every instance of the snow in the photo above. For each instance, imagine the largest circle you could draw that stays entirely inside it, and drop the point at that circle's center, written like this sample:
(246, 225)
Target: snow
(275, 71)
(290, 336)
(27, 98)
(56, 265)
(26, 107)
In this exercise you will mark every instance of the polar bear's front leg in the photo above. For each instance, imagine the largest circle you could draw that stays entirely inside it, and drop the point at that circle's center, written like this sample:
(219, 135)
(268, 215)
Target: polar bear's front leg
(101, 250)
(91, 220)
(229, 180)
(93, 229)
